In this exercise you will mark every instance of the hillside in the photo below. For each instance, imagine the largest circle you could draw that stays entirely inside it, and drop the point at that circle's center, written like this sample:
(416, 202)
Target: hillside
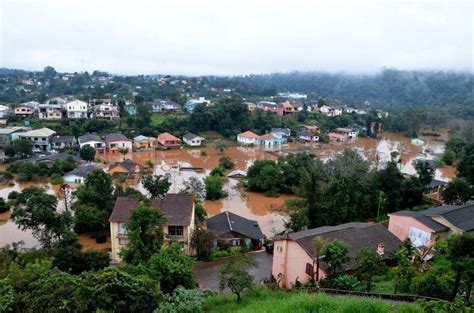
(263, 300)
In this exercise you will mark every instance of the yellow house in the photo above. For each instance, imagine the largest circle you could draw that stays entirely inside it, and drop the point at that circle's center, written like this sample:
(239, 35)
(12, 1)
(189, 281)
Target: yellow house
(178, 210)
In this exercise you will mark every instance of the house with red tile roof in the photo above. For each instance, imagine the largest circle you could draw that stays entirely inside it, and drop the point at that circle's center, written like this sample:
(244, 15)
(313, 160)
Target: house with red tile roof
(247, 138)
(168, 141)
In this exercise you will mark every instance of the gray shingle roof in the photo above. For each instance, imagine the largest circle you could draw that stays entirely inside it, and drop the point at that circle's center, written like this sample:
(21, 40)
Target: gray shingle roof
(89, 137)
(357, 238)
(422, 218)
(230, 222)
(177, 209)
(461, 216)
(116, 137)
(65, 139)
(190, 136)
(82, 171)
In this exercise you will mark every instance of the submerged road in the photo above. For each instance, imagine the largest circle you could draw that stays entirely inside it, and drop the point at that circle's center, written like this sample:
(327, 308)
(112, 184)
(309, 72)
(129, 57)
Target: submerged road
(207, 273)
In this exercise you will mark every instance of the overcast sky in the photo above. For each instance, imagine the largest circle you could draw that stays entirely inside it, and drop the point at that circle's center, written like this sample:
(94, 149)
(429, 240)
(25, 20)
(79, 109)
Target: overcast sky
(235, 37)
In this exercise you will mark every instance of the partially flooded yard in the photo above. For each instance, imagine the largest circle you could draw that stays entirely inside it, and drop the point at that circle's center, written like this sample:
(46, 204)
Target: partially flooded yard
(268, 211)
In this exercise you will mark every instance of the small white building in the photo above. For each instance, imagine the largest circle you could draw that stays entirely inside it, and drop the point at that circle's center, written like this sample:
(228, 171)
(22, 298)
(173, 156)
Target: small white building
(79, 174)
(348, 133)
(330, 111)
(77, 109)
(193, 140)
(247, 138)
(4, 111)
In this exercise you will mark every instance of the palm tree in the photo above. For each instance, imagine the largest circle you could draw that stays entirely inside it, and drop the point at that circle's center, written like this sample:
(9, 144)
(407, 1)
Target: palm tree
(318, 245)
(123, 151)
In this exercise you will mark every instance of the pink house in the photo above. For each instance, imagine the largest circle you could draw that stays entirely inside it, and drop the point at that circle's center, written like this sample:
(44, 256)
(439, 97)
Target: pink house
(335, 137)
(116, 142)
(294, 256)
(431, 224)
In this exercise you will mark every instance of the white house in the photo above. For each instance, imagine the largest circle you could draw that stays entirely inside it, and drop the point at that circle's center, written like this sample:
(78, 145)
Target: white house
(77, 109)
(92, 140)
(79, 174)
(193, 140)
(247, 138)
(5, 111)
(330, 111)
(348, 133)
(40, 138)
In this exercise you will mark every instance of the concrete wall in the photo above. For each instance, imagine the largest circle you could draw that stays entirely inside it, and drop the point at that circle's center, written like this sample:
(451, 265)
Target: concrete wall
(290, 260)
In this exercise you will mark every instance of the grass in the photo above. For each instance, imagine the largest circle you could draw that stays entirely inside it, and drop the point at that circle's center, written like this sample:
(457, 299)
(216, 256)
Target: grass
(157, 119)
(264, 300)
(383, 284)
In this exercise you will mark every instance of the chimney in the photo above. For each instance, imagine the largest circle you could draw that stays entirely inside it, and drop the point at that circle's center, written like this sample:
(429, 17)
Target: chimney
(381, 249)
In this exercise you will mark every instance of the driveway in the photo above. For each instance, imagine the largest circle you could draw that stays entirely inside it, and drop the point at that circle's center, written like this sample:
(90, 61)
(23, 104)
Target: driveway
(207, 273)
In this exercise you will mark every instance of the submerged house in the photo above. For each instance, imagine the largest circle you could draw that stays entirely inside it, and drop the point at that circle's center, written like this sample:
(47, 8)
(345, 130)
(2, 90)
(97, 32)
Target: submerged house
(116, 142)
(168, 141)
(247, 138)
(294, 254)
(235, 230)
(193, 140)
(309, 133)
(79, 174)
(144, 142)
(281, 133)
(93, 140)
(128, 168)
(178, 210)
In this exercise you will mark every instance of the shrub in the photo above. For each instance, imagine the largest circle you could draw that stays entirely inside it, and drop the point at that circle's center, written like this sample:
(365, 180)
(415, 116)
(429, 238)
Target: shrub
(57, 180)
(346, 282)
(4, 206)
(214, 187)
(182, 301)
(218, 171)
(226, 163)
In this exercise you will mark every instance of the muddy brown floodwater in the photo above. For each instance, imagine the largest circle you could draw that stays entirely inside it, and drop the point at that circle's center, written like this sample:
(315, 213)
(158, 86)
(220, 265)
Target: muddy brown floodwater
(268, 211)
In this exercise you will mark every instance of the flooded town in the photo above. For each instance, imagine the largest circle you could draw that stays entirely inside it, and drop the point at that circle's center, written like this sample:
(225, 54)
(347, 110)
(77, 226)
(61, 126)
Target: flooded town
(202, 156)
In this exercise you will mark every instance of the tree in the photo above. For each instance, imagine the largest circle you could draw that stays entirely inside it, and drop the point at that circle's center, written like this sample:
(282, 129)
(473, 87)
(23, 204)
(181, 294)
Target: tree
(407, 266)
(465, 166)
(217, 171)
(226, 163)
(318, 246)
(458, 191)
(115, 290)
(202, 241)
(97, 191)
(194, 186)
(461, 255)
(87, 153)
(335, 255)
(368, 265)
(4, 206)
(145, 235)
(200, 214)
(172, 268)
(221, 146)
(214, 187)
(449, 157)
(157, 185)
(89, 219)
(235, 276)
(34, 209)
(425, 172)
(123, 151)
(20, 148)
(265, 176)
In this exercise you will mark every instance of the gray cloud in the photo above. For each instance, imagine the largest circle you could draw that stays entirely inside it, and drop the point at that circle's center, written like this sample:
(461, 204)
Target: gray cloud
(235, 37)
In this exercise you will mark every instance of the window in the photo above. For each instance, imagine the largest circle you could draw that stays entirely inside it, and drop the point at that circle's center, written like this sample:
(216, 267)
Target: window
(235, 242)
(175, 230)
(309, 269)
(123, 241)
(122, 228)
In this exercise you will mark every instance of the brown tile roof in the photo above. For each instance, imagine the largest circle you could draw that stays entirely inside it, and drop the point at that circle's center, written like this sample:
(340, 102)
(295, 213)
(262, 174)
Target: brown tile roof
(356, 238)
(248, 134)
(167, 137)
(267, 137)
(177, 208)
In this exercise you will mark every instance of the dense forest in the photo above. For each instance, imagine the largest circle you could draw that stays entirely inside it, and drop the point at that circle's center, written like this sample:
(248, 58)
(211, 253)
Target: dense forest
(389, 89)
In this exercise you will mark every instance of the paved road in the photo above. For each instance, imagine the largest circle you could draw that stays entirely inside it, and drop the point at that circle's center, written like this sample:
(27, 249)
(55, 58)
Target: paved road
(207, 273)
